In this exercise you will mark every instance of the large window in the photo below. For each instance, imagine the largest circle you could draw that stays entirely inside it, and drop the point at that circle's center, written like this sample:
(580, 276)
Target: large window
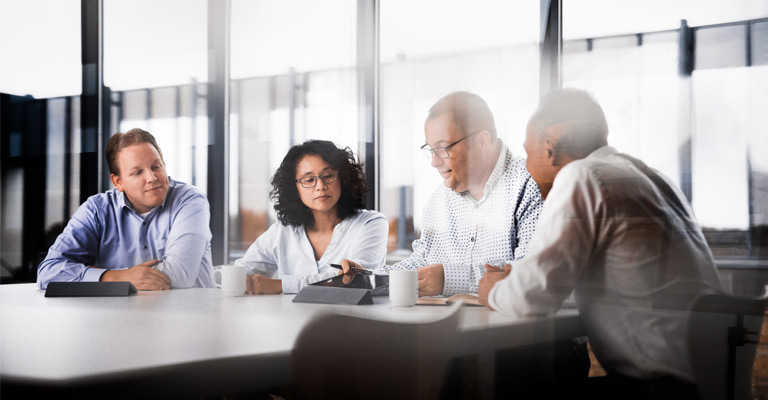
(429, 49)
(686, 97)
(40, 83)
(294, 78)
(156, 65)
(40, 48)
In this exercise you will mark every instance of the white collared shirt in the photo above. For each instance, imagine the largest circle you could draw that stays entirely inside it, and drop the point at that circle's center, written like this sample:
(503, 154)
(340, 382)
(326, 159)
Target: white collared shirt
(625, 244)
(463, 234)
(284, 252)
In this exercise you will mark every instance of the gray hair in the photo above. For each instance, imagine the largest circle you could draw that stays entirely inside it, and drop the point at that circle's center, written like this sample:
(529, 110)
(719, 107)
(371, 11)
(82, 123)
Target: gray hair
(579, 112)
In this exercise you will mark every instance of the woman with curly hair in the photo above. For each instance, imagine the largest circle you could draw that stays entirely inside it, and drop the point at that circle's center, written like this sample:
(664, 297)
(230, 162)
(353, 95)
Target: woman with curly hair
(318, 192)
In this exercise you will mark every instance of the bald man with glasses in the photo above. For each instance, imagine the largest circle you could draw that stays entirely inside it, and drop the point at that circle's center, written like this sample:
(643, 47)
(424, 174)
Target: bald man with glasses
(487, 209)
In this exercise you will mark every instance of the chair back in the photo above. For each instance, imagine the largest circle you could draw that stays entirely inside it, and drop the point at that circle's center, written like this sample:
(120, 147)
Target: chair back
(353, 357)
(723, 332)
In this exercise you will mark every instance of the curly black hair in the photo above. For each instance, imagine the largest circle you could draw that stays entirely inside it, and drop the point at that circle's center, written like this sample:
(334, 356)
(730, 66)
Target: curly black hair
(288, 205)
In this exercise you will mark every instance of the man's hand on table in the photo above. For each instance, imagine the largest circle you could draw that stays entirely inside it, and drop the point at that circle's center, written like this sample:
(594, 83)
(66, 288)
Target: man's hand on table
(143, 276)
(492, 275)
(431, 277)
(257, 284)
(431, 280)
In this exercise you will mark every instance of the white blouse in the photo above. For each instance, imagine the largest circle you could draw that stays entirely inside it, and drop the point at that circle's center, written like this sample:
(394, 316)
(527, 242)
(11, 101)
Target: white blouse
(284, 252)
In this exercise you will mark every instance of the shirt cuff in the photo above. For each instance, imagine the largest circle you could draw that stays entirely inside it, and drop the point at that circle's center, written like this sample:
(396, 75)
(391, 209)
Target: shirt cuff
(93, 274)
(290, 283)
(161, 267)
(492, 297)
(456, 280)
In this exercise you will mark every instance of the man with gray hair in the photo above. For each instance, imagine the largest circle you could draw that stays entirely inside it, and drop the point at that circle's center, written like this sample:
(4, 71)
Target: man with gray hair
(487, 208)
(622, 238)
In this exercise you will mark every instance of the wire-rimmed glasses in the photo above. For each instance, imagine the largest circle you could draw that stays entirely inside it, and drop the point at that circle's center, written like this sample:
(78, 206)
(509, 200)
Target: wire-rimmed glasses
(442, 152)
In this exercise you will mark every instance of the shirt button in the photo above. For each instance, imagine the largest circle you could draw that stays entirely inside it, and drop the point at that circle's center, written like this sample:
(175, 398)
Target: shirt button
(472, 239)
(144, 223)
(145, 247)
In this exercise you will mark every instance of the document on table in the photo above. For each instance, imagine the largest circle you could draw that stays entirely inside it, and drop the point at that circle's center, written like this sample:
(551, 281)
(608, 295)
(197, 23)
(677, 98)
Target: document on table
(467, 298)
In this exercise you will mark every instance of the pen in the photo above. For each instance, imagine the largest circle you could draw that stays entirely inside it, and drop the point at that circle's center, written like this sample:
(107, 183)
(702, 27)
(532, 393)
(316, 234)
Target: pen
(353, 269)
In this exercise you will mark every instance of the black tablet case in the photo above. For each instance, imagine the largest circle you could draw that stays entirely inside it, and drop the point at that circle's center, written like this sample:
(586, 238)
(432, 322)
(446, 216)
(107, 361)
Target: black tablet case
(333, 295)
(89, 289)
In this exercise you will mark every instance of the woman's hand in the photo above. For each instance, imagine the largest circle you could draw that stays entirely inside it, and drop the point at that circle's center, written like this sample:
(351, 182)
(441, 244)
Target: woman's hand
(346, 268)
(347, 265)
(257, 284)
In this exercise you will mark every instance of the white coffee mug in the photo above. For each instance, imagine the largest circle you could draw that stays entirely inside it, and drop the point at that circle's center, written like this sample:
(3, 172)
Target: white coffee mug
(232, 279)
(403, 287)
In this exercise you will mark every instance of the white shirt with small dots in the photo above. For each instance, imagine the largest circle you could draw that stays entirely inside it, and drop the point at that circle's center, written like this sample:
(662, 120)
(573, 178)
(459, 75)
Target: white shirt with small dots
(464, 234)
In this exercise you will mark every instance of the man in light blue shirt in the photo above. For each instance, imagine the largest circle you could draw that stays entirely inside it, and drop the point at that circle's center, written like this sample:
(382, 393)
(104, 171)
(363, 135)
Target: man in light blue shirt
(150, 230)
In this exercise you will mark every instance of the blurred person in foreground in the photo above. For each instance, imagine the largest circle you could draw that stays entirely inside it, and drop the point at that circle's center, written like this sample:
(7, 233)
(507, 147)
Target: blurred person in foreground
(623, 239)
(485, 213)
(318, 190)
(149, 230)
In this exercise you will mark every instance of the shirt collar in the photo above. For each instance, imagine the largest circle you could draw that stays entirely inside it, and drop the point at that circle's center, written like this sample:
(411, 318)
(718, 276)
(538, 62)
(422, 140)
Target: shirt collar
(496, 174)
(123, 202)
(602, 152)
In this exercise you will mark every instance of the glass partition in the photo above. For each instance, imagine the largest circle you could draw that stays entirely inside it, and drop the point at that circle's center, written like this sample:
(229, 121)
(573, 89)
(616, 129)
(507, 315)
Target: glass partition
(156, 65)
(40, 49)
(701, 126)
(40, 84)
(293, 79)
(429, 49)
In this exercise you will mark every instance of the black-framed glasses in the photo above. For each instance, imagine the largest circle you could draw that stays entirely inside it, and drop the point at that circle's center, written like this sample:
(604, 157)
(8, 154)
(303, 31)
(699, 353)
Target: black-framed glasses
(442, 152)
(311, 181)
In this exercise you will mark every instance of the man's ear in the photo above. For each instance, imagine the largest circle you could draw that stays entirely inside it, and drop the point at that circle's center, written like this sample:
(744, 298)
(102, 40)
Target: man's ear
(483, 138)
(550, 144)
(552, 135)
(116, 181)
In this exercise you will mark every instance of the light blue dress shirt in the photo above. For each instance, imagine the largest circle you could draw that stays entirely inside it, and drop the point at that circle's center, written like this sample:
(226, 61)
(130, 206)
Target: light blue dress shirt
(108, 233)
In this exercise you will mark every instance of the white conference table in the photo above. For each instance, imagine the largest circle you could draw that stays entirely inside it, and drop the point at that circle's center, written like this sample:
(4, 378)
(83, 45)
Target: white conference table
(197, 342)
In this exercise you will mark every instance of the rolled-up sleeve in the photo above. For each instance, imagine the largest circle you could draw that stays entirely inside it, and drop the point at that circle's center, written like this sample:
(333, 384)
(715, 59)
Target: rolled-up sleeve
(370, 244)
(262, 259)
(415, 260)
(187, 242)
(75, 250)
(422, 246)
(294, 283)
(559, 252)
(459, 278)
(368, 247)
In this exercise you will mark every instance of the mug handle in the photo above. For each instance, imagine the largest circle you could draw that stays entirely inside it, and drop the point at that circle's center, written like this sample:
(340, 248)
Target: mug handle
(213, 278)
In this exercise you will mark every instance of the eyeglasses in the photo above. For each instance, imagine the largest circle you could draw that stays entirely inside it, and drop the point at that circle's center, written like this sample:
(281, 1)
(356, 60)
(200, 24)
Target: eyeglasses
(311, 181)
(442, 152)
